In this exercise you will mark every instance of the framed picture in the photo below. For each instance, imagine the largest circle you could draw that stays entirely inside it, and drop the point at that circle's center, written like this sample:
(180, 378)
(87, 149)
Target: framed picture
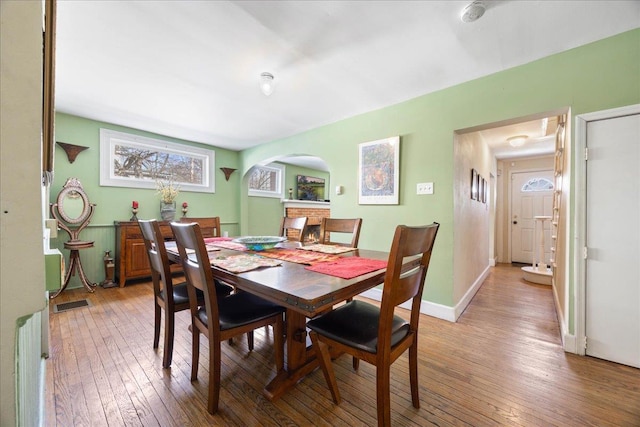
(128, 160)
(483, 183)
(378, 172)
(485, 191)
(474, 184)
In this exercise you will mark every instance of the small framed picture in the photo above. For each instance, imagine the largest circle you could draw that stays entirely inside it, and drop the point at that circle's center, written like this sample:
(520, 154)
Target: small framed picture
(474, 184)
(379, 172)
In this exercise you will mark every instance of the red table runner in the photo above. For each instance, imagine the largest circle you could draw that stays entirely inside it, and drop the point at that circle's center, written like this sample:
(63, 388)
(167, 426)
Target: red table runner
(349, 267)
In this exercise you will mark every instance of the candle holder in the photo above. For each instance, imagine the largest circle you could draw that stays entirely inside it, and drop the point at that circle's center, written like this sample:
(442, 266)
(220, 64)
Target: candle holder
(134, 211)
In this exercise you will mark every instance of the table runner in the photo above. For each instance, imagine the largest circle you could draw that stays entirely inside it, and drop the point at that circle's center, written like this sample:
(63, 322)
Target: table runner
(349, 267)
(327, 249)
(299, 257)
(242, 263)
(173, 247)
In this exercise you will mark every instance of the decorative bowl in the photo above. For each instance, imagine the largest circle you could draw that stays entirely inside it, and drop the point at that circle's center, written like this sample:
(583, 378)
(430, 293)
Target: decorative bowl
(259, 243)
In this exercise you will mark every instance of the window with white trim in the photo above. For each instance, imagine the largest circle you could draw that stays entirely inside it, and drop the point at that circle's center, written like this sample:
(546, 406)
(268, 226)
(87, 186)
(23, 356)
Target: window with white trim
(537, 184)
(266, 181)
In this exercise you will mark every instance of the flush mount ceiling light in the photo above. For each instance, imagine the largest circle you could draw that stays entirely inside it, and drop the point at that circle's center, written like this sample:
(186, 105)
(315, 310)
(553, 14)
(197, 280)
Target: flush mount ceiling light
(473, 11)
(517, 141)
(266, 83)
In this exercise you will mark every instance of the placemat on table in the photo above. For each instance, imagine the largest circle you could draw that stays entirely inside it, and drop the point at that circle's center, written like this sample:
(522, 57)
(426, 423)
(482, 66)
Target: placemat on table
(327, 249)
(349, 267)
(243, 263)
(299, 257)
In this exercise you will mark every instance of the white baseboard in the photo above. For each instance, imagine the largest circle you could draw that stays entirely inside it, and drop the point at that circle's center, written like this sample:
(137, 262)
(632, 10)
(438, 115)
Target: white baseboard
(493, 262)
(426, 307)
(569, 341)
(433, 309)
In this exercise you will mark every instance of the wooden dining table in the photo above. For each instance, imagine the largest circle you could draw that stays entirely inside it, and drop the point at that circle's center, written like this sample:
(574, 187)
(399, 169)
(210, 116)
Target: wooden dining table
(304, 294)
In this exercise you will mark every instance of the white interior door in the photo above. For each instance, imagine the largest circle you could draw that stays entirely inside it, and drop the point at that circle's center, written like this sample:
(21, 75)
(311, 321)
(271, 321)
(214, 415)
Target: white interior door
(531, 196)
(612, 312)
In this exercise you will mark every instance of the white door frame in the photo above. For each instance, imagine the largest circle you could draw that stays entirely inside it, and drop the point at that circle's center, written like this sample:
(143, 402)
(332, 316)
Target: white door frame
(579, 262)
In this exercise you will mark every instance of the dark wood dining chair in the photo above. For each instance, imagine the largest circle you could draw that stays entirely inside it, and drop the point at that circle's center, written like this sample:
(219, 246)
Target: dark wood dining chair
(340, 225)
(168, 297)
(210, 226)
(375, 334)
(220, 318)
(297, 224)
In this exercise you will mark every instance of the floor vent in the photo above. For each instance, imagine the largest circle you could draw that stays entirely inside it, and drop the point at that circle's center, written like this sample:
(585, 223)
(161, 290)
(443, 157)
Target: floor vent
(70, 305)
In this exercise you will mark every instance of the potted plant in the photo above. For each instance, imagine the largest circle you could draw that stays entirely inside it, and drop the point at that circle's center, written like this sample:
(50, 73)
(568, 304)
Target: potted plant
(168, 192)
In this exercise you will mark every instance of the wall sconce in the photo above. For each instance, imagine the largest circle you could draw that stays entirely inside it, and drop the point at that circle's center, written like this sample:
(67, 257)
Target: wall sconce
(227, 172)
(266, 83)
(517, 141)
(71, 150)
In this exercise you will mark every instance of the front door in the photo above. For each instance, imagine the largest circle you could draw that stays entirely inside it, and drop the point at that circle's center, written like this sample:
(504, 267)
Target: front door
(531, 195)
(612, 311)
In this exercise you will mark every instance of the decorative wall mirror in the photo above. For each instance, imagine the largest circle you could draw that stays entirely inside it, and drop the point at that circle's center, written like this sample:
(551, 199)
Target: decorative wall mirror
(73, 212)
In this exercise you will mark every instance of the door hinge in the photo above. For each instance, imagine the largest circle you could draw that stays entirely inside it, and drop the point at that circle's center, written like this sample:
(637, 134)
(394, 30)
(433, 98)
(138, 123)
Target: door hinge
(585, 252)
(586, 153)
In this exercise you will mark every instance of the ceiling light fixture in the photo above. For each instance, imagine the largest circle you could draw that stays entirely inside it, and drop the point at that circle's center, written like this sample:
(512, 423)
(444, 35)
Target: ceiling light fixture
(473, 11)
(266, 83)
(517, 141)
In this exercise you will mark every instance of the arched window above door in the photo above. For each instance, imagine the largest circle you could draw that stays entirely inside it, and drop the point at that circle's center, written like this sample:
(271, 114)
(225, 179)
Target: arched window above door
(537, 184)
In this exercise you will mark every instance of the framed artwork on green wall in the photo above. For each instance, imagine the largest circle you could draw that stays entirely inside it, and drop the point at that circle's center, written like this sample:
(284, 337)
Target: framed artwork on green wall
(128, 160)
(379, 172)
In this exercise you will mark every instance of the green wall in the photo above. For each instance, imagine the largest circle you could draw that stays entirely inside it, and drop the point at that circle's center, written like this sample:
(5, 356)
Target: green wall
(114, 203)
(266, 212)
(598, 76)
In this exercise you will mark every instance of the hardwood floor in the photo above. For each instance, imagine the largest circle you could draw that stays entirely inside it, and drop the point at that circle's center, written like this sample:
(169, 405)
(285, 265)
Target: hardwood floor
(500, 364)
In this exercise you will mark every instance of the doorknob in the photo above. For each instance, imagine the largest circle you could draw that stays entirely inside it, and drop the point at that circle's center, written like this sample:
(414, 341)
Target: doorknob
(515, 222)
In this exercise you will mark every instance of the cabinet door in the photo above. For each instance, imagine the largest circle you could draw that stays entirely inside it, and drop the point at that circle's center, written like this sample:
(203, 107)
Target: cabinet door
(137, 260)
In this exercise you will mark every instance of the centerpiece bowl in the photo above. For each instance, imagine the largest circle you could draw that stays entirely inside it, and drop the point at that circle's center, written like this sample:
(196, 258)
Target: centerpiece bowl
(259, 243)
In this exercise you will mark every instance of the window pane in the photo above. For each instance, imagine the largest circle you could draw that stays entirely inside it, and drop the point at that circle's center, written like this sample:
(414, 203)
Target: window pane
(537, 184)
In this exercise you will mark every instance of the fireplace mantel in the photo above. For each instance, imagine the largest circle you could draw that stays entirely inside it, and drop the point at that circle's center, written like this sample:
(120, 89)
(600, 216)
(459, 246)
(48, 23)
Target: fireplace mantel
(305, 204)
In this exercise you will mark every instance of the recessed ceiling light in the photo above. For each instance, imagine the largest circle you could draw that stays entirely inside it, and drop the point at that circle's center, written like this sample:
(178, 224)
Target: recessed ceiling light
(517, 141)
(473, 11)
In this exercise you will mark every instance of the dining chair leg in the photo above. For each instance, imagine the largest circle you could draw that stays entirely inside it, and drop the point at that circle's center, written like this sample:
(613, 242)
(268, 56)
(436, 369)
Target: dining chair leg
(324, 357)
(195, 352)
(214, 376)
(383, 394)
(250, 340)
(355, 363)
(413, 374)
(156, 328)
(169, 330)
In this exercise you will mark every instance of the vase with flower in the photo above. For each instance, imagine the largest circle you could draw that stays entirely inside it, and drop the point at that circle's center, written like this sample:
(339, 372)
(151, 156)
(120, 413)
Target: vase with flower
(185, 208)
(168, 192)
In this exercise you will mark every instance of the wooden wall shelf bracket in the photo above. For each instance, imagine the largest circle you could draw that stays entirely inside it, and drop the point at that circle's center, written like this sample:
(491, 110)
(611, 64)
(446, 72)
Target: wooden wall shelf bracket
(227, 172)
(71, 150)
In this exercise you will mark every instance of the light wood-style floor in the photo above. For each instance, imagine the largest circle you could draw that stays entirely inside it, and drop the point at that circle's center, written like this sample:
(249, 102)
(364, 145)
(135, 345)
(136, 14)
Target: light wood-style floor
(500, 364)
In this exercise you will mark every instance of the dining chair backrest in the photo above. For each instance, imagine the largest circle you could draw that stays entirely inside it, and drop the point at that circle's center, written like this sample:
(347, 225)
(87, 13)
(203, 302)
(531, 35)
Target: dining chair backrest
(158, 259)
(340, 225)
(196, 267)
(210, 226)
(400, 286)
(298, 224)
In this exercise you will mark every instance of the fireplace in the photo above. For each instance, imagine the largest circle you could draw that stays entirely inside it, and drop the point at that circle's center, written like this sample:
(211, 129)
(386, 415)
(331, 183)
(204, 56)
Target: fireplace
(314, 211)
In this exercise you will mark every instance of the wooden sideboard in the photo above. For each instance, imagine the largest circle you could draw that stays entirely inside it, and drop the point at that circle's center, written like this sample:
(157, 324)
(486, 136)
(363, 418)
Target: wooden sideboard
(131, 257)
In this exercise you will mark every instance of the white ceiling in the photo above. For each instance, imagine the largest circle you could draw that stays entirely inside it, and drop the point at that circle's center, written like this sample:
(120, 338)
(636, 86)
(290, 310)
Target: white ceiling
(190, 69)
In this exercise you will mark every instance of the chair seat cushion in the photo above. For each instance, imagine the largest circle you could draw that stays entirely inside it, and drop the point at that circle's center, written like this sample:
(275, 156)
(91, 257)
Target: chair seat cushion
(356, 324)
(181, 295)
(240, 309)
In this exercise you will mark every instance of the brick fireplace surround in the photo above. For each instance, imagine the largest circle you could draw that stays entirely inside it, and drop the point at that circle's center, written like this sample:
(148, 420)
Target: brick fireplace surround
(314, 211)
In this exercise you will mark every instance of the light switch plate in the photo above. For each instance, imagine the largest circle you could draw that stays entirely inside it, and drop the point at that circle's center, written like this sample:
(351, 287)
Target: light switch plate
(424, 188)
